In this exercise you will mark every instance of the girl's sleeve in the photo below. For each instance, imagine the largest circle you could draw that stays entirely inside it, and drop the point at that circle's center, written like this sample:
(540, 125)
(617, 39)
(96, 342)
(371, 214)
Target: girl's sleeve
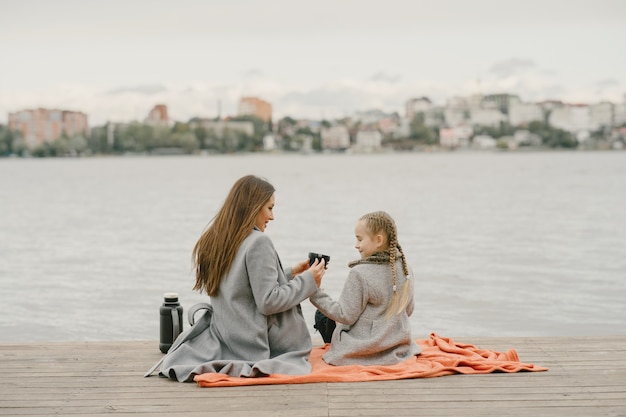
(352, 301)
(269, 295)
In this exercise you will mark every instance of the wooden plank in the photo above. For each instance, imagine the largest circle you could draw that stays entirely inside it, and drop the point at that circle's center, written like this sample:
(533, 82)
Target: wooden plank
(587, 377)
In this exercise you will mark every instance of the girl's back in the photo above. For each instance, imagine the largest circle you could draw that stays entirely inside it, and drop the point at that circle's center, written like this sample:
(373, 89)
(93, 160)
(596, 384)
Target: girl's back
(364, 335)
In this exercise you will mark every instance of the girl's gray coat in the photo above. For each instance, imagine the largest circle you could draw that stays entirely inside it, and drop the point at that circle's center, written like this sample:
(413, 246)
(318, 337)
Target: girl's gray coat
(363, 335)
(256, 326)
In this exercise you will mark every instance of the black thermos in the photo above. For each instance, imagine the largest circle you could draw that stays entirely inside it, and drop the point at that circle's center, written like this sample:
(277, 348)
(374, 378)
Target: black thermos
(171, 320)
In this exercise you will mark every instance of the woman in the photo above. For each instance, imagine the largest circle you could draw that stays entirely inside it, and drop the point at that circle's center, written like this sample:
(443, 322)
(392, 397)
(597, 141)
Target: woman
(255, 326)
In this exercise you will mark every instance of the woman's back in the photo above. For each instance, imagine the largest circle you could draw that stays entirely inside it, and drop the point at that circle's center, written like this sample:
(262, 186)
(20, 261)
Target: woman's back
(253, 315)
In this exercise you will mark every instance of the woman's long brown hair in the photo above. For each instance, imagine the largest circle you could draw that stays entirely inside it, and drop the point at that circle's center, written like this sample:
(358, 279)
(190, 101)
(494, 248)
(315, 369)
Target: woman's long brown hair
(215, 251)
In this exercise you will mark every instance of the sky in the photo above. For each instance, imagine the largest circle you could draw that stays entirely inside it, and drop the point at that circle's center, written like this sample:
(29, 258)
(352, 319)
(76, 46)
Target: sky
(116, 59)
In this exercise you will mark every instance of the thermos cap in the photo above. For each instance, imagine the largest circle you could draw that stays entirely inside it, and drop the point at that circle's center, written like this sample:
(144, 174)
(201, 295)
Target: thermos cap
(171, 296)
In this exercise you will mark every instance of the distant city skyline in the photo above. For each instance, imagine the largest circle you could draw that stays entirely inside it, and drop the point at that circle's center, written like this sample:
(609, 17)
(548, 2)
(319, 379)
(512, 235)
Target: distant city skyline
(115, 60)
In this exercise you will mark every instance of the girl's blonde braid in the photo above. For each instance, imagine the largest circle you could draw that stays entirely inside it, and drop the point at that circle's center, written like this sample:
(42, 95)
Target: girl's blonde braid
(399, 299)
(392, 257)
(405, 267)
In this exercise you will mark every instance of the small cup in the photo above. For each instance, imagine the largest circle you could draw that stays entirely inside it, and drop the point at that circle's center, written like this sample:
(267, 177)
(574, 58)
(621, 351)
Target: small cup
(313, 256)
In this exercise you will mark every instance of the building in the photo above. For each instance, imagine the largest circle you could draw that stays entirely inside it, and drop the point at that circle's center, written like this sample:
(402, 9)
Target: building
(388, 125)
(487, 117)
(254, 106)
(619, 115)
(523, 137)
(484, 142)
(269, 142)
(574, 118)
(417, 105)
(368, 140)
(47, 125)
(158, 116)
(549, 105)
(475, 101)
(370, 117)
(502, 102)
(521, 114)
(455, 137)
(435, 117)
(403, 130)
(602, 115)
(335, 137)
(455, 112)
(448, 138)
(454, 116)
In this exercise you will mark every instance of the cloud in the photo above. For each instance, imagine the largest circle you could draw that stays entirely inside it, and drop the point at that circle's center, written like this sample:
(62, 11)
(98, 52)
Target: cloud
(605, 88)
(342, 98)
(384, 77)
(526, 79)
(329, 99)
(607, 83)
(512, 66)
(254, 73)
(328, 95)
(140, 89)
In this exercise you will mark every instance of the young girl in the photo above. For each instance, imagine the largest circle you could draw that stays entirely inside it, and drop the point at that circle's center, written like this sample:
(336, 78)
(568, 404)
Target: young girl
(373, 310)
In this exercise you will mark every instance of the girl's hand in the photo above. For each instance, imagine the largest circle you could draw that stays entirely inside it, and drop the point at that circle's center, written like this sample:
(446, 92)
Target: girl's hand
(318, 269)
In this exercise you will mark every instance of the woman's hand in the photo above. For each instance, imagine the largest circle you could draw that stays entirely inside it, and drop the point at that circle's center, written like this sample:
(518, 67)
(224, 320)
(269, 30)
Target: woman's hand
(299, 268)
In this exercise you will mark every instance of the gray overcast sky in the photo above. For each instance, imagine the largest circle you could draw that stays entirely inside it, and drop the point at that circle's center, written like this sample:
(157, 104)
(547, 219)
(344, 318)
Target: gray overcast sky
(116, 59)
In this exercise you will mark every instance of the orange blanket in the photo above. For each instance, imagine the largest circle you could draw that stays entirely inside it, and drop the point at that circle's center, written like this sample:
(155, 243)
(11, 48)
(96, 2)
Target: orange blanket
(440, 356)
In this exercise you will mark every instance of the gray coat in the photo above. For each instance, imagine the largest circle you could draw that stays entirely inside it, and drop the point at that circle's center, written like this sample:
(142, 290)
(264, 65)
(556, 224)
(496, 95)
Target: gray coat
(363, 335)
(256, 327)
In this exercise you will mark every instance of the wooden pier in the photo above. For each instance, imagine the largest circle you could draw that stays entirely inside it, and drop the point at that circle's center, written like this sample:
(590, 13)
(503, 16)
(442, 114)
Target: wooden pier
(587, 377)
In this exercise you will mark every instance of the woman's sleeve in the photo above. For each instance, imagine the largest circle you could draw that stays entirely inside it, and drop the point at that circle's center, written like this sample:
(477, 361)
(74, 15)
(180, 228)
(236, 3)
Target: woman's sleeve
(263, 270)
(352, 301)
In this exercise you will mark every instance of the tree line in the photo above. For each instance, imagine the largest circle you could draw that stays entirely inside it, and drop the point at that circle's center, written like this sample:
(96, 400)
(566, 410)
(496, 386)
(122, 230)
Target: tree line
(190, 137)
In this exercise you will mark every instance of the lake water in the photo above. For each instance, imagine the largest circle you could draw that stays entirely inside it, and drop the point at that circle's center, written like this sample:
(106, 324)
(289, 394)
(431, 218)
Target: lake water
(502, 244)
